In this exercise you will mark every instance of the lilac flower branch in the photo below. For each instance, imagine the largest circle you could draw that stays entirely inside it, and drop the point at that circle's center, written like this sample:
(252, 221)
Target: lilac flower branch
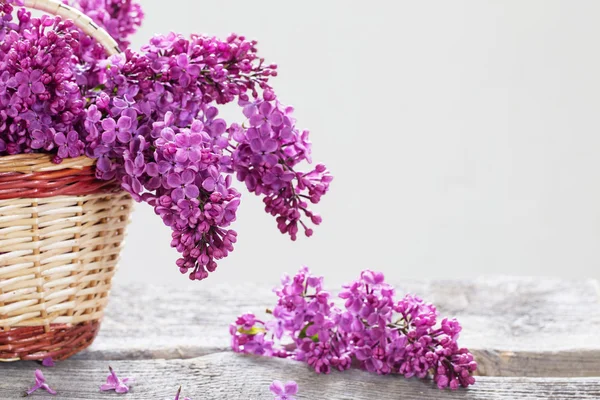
(382, 335)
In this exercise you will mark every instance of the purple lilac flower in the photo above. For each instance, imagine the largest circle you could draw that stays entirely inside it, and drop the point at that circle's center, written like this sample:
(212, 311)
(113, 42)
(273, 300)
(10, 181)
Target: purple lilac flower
(27, 82)
(68, 145)
(115, 383)
(183, 185)
(266, 159)
(151, 122)
(284, 391)
(40, 383)
(382, 335)
(120, 130)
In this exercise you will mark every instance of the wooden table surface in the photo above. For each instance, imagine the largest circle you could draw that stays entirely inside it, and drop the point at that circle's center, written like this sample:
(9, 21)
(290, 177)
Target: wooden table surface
(533, 339)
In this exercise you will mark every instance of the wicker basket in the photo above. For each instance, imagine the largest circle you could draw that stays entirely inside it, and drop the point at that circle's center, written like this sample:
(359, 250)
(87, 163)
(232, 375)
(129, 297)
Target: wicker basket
(61, 232)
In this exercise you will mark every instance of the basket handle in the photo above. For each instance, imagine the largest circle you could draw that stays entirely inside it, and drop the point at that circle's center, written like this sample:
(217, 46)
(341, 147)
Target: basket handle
(82, 21)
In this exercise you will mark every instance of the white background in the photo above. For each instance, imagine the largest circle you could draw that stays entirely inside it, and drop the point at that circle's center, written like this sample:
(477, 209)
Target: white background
(463, 136)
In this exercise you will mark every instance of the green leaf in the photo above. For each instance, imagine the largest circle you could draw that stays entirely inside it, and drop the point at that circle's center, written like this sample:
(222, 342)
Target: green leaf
(253, 331)
(302, 333)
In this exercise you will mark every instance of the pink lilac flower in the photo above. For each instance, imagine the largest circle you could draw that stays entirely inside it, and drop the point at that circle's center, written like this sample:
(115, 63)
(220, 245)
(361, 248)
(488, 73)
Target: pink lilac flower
(115, 383)
(382, 335)
(284, 391)
(40, 383)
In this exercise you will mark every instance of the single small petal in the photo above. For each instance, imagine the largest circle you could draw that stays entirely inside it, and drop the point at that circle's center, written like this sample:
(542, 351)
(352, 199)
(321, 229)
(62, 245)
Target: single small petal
(48, 362)
(277, 388)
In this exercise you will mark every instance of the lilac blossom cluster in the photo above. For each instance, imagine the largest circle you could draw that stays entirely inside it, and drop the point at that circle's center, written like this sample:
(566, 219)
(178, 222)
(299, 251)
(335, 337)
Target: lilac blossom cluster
(269, 150)
(383, 335)
(40, 103)
(151, 121)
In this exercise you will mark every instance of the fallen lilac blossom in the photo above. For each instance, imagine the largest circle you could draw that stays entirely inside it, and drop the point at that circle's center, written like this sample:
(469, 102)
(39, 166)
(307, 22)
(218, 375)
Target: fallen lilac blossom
(48, 362)
(284, 391)
(40, 383)
(115, 383)
(374, 330)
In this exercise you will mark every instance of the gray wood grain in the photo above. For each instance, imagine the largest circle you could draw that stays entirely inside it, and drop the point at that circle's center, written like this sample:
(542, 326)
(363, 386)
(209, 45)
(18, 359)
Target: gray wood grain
(514, 326)
(230, 376)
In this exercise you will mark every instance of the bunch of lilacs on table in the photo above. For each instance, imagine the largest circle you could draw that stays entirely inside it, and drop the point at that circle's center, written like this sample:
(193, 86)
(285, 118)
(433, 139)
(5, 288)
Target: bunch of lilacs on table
(151, 120)
(375, 330)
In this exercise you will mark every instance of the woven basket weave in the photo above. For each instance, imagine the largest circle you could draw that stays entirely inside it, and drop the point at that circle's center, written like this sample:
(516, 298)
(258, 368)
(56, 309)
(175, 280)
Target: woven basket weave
(61, 232)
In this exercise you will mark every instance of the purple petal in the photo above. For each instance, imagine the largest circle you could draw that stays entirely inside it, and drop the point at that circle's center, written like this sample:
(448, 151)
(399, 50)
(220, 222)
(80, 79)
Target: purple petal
(286, 133)
(109, 136)
(265, 108)
(269, 179)
(209, 184)
(181, 155)
(271, 159)
(193, 70)
(49, 389)
(122, 389)
(256, 119)
(124, 123)
(277, 388)
(287, 176)
(177, 194)
(211, 113)
(163, 167)
(104, 164)
(152, 169)
(195, 139)
(124, 137)
(72, 137)
(194, 156)
(270, 145)
(181, 140)
(24, 91)
(182, 60)
(174, 180)
(33, 389)
(276, 118)
(38, 87)
(184, 80)
(291, 387)
(250, 110)
(12, 82)
(63, 152)
(35, 75)
(256, 145)
(39, 377)
(188, 176)
(252, 133)
(265, 129)
(109, 124)
(192, 191)
(218, 127)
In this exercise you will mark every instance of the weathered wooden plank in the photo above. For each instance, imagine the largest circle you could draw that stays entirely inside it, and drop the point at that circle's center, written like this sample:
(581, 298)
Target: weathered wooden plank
(231, 376)
(514, 326)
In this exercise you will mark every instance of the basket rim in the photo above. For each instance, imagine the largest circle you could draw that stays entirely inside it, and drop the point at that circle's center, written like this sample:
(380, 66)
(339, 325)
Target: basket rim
(41, 162)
